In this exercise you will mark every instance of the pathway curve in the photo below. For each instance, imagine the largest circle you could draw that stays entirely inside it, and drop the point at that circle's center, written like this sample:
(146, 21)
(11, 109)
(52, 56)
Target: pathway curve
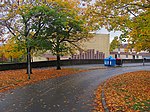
(72, 93)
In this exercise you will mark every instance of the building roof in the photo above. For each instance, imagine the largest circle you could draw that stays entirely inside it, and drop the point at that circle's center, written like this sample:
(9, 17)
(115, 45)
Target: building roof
(145, 54)
(133, 53)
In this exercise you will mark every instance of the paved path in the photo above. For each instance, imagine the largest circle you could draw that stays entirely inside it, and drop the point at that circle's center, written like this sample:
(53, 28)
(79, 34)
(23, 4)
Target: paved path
(72, 93)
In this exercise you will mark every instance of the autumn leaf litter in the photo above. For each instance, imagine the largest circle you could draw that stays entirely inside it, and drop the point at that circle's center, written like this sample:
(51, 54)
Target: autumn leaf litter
(12, 79)
(127, 92)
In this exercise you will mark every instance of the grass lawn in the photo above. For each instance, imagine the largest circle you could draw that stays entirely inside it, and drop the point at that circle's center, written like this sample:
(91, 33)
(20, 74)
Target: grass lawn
(129, 92)
(11, 79)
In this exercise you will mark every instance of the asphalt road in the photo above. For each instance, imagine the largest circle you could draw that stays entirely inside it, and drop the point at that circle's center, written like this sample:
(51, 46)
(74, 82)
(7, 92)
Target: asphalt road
(72, 93)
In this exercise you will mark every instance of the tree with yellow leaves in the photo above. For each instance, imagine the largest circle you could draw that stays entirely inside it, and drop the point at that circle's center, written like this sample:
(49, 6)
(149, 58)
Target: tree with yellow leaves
(54, 25)
(132, 17)
(11, 51)
(24, 21)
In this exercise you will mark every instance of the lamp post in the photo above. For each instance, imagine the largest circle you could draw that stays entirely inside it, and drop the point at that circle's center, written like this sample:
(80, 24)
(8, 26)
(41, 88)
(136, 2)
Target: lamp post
(119, 45)
(2, 50)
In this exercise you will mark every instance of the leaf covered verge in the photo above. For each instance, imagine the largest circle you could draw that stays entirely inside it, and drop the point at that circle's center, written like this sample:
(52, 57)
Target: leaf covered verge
(127, 92)
(12, 79)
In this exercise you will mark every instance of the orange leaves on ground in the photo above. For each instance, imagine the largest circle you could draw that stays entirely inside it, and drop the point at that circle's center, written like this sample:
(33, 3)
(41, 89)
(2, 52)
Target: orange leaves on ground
(128, 92)
(15, 78)
(98, 101)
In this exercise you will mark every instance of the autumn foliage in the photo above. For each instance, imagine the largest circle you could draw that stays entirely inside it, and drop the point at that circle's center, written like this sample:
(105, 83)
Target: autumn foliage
(15, 78)
(11, 49)
(131, 17)
(128, 92)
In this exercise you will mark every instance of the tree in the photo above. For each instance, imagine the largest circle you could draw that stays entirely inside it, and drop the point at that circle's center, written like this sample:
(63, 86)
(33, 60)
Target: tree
(139, 35)
(67, 29)
(114, 44)
(49, 24)
(11, 50)
(25, 23)
(129, 16)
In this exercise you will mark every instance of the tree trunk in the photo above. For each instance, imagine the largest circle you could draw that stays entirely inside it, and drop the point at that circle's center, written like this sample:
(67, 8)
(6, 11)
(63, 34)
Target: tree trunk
(29, 60)
(58, 53)
(58, 62)
(11, 59)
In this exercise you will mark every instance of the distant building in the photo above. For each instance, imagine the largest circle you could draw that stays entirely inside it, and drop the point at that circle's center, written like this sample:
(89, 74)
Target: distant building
(100, 43)
(89, 54)
(95, 48)
(48, 56)
(120, 52)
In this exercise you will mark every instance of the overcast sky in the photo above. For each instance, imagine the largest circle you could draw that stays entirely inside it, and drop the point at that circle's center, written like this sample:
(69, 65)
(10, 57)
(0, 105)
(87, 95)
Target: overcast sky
(112, 33)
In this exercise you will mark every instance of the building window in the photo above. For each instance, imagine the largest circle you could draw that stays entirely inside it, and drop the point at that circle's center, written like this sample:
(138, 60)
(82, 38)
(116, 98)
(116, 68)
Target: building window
(118, 55)
(133, 56)
(126, 56)
(137, 56)
(115, 55)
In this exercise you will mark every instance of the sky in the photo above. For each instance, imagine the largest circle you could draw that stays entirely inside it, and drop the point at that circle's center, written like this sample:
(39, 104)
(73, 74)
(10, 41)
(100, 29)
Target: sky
(112, 33)
(104, 31)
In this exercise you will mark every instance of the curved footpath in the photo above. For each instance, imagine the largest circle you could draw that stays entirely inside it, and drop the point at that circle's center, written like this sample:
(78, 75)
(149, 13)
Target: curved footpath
(73, 93)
